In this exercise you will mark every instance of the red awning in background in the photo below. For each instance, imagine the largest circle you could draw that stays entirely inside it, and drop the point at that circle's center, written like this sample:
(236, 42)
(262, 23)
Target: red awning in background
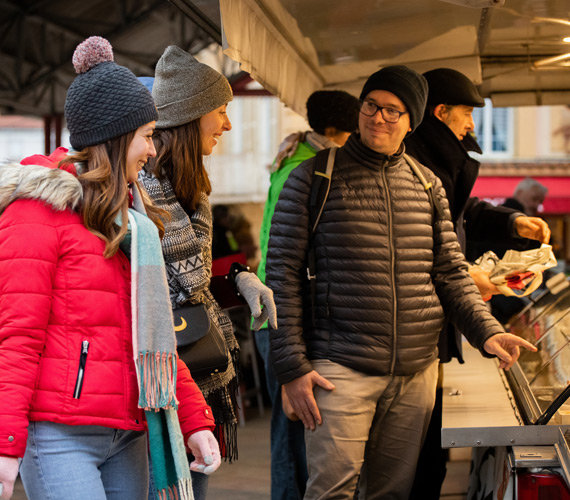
(497, 189)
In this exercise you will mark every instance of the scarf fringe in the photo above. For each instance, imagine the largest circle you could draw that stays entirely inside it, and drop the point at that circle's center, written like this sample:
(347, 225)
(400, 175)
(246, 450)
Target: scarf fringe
(158, 373)
(180, 491)
(225, 418)
(226, 435)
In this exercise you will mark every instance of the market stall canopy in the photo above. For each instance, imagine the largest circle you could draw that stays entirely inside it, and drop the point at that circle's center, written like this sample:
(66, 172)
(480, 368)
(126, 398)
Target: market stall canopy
(512, 49)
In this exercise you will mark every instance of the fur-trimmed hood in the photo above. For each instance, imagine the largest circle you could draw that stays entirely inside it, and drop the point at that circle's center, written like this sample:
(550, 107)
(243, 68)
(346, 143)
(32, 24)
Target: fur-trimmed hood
(58, 188)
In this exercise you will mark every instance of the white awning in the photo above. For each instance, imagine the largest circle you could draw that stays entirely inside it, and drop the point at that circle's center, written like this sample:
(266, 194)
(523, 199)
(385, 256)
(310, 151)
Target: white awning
(514, 51)
(268, 44)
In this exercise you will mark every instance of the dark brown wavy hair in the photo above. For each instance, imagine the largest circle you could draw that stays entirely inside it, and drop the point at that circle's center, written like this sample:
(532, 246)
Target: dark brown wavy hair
(106, 191)
(179, 159)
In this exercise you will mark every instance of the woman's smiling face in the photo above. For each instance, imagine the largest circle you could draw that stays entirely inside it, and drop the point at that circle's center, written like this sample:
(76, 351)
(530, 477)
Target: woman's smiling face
(212, 126)
(140, 150)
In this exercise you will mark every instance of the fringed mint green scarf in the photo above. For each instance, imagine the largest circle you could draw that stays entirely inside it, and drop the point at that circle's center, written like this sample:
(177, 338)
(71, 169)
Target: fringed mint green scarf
(154, 350)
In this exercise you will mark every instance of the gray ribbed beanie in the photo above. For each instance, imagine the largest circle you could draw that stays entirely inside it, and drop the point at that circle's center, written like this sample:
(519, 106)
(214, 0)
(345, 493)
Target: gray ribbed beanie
(105, 100)
(185, 89)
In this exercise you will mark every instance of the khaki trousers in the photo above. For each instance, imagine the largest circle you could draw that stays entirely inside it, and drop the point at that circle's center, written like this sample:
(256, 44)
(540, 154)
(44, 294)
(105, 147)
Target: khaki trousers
(373, 426)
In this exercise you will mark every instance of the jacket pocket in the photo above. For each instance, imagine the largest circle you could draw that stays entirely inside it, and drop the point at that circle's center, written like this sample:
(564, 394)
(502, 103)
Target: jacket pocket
(81, 369)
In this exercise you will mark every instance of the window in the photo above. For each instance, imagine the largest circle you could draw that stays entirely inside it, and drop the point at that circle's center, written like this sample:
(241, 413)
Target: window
(494, 129)
(238, 167)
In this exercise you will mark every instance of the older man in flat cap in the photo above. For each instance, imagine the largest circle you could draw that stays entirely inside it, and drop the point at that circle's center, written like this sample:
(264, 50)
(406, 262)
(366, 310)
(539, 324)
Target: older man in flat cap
(442, 143)
(360, 367)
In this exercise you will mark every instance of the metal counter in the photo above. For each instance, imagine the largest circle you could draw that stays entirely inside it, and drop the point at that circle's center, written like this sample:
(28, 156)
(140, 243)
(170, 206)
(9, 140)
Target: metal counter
(479, 408)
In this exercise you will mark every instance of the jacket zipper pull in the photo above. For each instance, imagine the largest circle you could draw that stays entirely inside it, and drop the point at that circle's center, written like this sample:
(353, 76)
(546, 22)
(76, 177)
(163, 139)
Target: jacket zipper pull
(81, 371)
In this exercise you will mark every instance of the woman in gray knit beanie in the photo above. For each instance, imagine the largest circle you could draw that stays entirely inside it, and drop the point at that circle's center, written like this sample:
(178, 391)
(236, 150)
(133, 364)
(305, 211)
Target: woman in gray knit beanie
(192, 99)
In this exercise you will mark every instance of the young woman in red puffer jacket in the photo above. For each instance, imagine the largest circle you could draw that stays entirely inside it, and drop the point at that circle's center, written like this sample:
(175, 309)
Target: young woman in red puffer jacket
(87, 363)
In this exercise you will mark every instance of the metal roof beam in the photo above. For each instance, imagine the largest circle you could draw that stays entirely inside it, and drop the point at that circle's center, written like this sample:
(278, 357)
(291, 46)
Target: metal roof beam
(198, 17)
(65, 58)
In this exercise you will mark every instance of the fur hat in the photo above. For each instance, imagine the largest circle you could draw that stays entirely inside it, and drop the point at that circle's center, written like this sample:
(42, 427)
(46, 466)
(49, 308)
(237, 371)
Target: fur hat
(447, 86)
(185, 89)
(105, 100)
(332, 108)
(406, 84)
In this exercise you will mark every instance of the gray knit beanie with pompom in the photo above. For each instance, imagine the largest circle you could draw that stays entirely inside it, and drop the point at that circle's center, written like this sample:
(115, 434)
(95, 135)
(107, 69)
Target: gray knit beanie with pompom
(105, 100)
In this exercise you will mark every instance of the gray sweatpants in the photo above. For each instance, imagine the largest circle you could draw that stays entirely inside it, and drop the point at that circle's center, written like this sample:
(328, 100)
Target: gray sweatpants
(373, 426)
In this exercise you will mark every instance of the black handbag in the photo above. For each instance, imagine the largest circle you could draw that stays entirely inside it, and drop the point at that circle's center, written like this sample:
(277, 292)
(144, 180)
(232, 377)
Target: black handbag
(200, 343)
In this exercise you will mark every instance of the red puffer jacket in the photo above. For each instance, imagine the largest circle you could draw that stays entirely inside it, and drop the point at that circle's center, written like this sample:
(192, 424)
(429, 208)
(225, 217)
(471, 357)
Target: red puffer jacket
(65, 318)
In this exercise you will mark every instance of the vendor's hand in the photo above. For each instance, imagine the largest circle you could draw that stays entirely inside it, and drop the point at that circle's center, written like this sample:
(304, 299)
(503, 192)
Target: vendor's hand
(484, 284)
(533, 228)
(287, 407)
(302, 399)
(256, 294)
(506, 347)
(8, 473)
(206, 451)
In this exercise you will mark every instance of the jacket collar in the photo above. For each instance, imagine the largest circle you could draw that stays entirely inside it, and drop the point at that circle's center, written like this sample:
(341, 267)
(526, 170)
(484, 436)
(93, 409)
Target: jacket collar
(437, 147)
(368, 157)
(438, 137)
(58, 188)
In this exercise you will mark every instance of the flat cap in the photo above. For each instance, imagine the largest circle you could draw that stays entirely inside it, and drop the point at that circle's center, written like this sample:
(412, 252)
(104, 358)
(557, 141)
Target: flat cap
(447, 86)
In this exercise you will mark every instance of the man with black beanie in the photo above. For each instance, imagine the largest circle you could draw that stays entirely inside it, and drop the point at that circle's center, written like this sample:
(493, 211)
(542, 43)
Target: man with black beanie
(332, 115)
(442, 143)
(360, 367)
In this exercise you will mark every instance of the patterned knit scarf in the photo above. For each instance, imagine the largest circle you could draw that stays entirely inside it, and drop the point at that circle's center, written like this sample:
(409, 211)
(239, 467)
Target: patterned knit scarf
(154, 351)
(187, 249)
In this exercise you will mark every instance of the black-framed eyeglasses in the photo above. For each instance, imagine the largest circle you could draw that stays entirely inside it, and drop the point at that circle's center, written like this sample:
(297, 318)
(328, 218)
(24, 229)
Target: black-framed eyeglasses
(389, 115)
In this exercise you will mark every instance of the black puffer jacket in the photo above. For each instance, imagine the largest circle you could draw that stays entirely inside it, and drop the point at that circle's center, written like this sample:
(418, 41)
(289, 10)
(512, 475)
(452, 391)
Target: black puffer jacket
(386, 270)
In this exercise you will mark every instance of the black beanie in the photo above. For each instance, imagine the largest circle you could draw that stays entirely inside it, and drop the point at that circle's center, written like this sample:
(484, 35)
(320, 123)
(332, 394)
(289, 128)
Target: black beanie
(105, 100)
(447, 86)
(332, 108)
(405, 83)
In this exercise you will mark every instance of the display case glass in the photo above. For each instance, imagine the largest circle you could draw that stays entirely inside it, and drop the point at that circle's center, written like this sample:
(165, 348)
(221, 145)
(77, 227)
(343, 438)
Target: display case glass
(539, 378)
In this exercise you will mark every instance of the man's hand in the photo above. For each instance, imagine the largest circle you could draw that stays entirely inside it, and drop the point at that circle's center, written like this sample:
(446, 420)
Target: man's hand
(533, 228)
(506, 347)
(481, 279)
(302, 399)
(287, 407)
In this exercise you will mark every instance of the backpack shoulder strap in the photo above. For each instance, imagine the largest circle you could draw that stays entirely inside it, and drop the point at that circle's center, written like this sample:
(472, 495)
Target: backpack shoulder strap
(320, 186)
(428, 186)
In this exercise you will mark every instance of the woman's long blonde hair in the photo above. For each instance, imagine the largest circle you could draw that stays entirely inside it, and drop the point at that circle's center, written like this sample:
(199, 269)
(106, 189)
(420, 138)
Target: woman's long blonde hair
(106, 191)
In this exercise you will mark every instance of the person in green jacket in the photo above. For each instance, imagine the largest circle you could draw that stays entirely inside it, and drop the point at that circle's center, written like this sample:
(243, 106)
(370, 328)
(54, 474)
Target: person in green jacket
(332, 115)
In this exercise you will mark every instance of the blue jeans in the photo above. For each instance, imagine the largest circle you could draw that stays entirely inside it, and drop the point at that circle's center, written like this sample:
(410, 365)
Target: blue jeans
(199, 483)
(78, 462)
(288, 461)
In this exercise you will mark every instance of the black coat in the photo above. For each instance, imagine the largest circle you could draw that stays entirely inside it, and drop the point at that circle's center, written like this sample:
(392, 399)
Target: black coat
(434, 145)
(476, 248)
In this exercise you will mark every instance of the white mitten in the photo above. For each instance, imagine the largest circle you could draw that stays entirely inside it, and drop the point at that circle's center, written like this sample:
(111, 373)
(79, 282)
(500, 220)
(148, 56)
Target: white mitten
(257, 294)
(8, 472)
(206, 451)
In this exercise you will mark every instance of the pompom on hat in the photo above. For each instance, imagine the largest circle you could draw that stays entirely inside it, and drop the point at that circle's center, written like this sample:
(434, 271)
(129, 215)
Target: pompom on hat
(185, 89)
(105, 100)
